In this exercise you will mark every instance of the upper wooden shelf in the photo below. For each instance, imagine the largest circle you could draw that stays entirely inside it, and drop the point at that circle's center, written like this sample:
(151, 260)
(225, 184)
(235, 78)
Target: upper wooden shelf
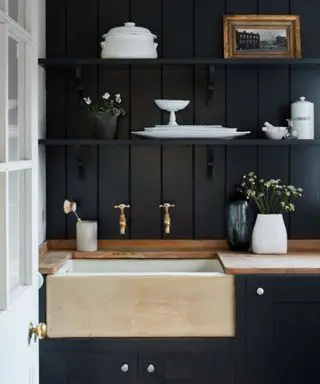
(78, 62)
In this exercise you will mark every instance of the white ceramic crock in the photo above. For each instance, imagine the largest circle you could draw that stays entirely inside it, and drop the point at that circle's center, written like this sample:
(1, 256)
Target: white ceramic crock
(129, 42)
(87, 236)
(269, 235)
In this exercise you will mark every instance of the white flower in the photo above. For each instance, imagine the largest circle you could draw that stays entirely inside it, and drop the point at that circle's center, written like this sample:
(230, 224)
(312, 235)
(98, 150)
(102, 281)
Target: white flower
(87, 100)
(118, 98)
(106, 96)
(283, 203)
(300, 190)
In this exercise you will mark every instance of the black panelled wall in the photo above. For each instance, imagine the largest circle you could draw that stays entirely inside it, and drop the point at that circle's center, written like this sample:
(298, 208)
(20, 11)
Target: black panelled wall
(147, 176)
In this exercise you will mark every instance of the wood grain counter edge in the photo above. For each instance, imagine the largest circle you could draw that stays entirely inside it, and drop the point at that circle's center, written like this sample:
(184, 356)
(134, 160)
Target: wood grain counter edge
(53, 254)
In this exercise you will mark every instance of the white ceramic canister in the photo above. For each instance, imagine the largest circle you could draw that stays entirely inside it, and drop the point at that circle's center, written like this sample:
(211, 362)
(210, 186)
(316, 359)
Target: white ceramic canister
(302, 115)
(87, 236)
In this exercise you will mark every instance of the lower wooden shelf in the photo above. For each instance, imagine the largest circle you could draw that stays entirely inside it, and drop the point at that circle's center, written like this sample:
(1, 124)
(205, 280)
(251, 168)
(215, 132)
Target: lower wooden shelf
(177, 142)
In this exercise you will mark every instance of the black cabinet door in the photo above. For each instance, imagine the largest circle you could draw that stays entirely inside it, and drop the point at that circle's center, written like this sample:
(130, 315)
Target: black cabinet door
(283, 330)
(187, 368)
(88, 368)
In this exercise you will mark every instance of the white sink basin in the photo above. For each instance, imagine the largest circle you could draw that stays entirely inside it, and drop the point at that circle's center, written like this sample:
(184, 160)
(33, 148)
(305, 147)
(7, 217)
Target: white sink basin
(141, 267)
(141, 298)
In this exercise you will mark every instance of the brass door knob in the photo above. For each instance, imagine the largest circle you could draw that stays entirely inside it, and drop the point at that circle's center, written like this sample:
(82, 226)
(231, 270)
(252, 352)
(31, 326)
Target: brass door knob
(39, 332)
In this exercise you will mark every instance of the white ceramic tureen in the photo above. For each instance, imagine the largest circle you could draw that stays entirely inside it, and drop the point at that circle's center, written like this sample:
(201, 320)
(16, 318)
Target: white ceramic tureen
(129, 41)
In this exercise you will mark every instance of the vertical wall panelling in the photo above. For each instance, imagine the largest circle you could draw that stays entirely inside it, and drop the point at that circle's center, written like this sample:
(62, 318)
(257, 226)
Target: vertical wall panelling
(274, 98)
(82, 188)
(146, 83)
(209, 194)
(306, 82)
(145, 193)
(242, 85)
(273, 163)
(239, 162)
(81, 42)
(208, 33)
(55, 80)
(178, 28)
(209, 43)
(56, 37)
(305, 173)
(274, 7)
(113, 189)
(178, 42)
(55, 187)
(178, 84)
(146, 176)
(309, 21)
(275, 82)
(115, 80)
(178, 189)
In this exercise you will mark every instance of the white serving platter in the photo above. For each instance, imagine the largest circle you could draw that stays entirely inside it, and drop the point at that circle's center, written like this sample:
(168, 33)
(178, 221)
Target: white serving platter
(194, 129)
(190, 135)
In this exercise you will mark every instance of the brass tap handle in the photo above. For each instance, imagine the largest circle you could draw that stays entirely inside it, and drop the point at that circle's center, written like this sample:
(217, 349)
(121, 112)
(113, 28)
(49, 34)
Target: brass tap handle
(167, 218)
(122, 218)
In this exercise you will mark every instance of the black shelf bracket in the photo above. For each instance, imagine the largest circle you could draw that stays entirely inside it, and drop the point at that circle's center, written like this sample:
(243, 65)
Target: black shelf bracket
(79, 84)
(210, 85)
(210, 162)
(80, 160)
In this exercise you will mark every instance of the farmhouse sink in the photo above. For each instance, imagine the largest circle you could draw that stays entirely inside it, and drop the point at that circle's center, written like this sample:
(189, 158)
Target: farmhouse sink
(141, 267)
(141, 298)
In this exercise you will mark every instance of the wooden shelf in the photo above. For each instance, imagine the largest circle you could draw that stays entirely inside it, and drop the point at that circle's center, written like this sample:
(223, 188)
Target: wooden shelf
(81, 62)
(177, 142)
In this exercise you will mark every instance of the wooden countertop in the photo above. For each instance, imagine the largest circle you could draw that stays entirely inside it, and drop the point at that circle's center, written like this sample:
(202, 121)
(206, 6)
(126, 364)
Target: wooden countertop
(292, 263)
(51, 261)
(303, 256)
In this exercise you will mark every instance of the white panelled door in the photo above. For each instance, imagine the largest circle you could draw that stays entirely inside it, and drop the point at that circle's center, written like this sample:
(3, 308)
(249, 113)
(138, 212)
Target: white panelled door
(18, 191)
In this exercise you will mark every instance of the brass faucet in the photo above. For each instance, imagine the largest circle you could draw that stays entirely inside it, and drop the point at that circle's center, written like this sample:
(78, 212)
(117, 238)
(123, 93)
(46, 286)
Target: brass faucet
(166, 218)
(122, 218)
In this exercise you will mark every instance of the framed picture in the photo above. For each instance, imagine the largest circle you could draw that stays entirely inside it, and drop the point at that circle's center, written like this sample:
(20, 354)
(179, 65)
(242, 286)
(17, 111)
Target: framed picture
(261, 36)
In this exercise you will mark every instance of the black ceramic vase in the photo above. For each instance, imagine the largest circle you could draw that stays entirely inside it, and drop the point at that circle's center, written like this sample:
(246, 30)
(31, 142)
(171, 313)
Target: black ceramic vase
(104, 125)
(238, 221)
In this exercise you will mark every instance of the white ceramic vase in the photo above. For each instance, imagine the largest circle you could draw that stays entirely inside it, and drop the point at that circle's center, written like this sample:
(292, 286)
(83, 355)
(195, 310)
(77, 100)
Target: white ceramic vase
(269, 235)
(87, 236)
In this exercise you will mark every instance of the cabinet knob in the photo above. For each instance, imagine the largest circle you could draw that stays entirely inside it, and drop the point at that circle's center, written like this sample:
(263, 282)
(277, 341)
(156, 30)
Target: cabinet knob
(125, 368)
(151, 368)
(260, 291)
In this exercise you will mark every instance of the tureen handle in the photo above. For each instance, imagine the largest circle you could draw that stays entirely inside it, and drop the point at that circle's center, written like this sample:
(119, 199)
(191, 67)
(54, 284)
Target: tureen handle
(129, 24)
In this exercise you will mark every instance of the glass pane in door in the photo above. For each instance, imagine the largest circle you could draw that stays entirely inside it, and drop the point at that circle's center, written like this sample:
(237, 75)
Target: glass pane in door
(16, 94)
(17, 225)
(17, 11)
(3, 5)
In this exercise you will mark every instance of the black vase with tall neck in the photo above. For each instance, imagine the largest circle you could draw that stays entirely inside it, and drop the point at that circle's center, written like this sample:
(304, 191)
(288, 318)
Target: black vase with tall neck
(238, 221)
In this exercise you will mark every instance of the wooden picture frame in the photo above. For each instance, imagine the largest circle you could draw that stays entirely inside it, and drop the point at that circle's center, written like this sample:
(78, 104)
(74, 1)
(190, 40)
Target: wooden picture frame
(261, 36)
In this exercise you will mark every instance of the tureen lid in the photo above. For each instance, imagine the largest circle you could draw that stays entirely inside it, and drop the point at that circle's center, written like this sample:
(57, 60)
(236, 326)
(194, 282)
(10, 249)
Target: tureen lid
(131, 29)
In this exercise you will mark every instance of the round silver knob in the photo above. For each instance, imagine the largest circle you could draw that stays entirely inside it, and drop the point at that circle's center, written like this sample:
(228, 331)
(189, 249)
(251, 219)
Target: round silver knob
(260, 291)
(125, 368)
(151, 368)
